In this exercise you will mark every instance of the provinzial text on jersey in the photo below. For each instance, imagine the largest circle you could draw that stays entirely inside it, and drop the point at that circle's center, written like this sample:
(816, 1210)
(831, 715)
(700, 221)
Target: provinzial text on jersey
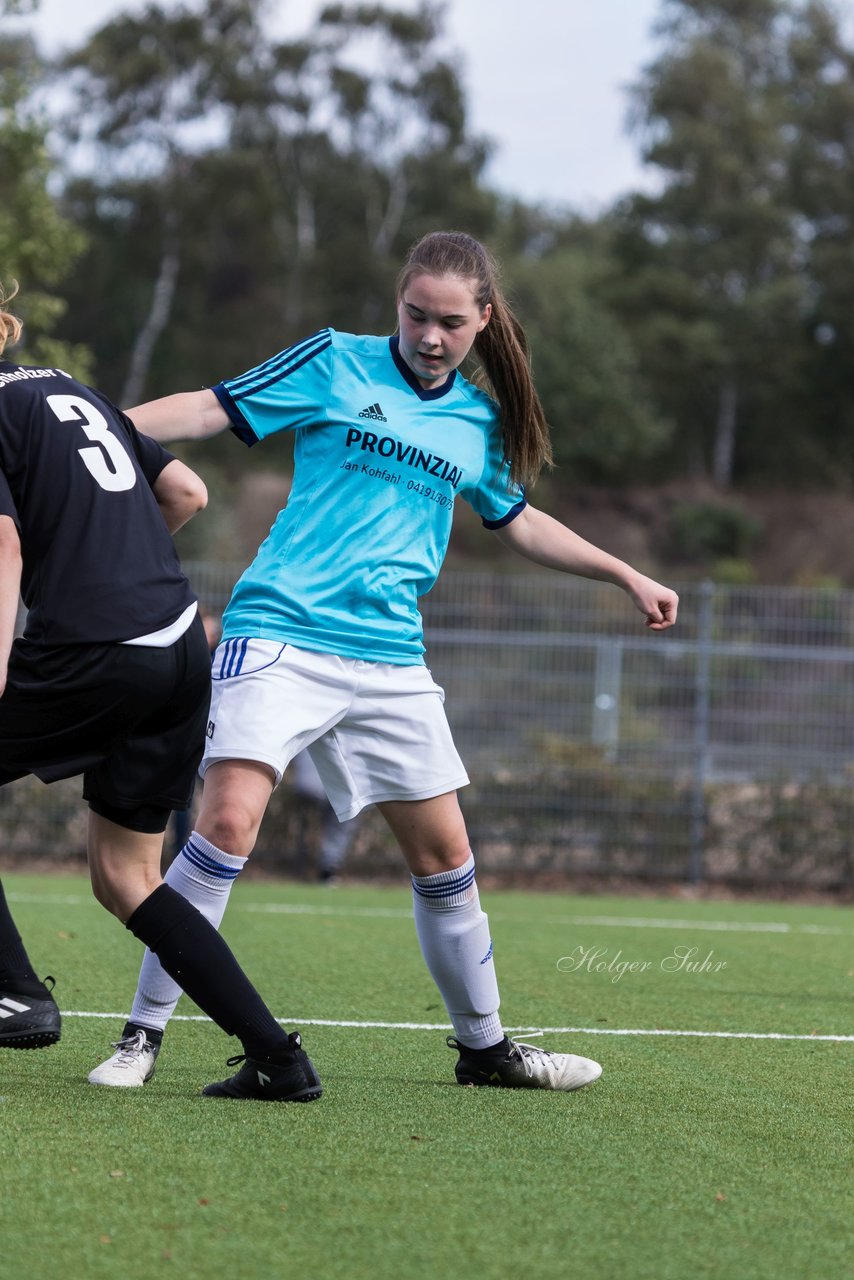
(390, 447)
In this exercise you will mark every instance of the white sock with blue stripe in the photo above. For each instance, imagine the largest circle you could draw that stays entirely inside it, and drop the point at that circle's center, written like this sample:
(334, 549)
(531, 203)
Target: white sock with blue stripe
(203, 874)
(455, 943)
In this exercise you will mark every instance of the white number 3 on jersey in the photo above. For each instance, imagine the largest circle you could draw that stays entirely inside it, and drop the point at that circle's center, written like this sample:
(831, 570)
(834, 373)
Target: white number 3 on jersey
(106, 460)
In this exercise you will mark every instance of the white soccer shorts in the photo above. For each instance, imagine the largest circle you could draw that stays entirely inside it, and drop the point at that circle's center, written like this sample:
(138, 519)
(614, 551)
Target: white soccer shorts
(375, 731)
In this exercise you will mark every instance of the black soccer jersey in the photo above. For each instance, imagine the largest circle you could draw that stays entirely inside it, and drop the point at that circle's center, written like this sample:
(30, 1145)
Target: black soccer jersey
(99, 563)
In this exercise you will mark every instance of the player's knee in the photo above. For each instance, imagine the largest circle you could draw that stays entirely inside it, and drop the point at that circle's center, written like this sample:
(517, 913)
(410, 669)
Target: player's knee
(122, 894)
(230, 827)
(101, 890)
(431, 860)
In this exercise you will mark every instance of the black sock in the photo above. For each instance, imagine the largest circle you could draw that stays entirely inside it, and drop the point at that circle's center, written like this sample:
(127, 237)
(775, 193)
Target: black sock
(15, 966)
(200, 961)
(153, 1035)
(501, 1049)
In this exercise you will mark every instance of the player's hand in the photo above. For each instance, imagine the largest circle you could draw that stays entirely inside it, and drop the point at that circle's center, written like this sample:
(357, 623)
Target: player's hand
(658, 604)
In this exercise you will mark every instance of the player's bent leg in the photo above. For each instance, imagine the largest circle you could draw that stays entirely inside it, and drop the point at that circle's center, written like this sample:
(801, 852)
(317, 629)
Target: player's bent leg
(455, 940)
(234, 803)
(193, 953)
(124, 865)
(200, 962)
(203, 875)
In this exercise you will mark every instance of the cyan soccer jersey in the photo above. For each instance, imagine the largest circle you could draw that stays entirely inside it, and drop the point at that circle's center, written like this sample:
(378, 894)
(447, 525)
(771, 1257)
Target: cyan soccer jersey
(378, 463)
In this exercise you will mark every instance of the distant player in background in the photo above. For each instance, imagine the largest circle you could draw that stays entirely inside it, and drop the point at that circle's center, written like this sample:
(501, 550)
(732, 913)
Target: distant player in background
(335, 839)
(111, 680)
(322, 638)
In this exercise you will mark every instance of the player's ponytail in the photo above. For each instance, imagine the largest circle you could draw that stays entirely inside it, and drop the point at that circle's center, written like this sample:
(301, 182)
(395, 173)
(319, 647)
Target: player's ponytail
(10, 326)
(501, 347)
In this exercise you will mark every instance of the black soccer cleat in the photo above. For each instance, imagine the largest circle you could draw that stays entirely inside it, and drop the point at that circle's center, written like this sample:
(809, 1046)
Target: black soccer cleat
(294, 1080)
(28, 1022)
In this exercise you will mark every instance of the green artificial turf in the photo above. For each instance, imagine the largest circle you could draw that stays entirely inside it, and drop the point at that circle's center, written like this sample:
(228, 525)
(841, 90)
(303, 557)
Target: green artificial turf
(692, 1156)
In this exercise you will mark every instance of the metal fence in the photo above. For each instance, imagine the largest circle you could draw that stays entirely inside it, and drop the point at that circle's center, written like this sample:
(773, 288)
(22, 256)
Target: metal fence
(723, 749)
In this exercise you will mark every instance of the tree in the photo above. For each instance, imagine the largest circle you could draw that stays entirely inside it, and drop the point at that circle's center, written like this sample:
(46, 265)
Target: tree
(362, 131)
(37, 245)
(605, 426)
(147, 91)
(711, 280)
(821, 69)
(276, 181)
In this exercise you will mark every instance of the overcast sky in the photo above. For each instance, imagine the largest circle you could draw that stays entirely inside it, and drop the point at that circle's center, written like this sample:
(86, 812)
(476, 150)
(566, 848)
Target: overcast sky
(546, 79)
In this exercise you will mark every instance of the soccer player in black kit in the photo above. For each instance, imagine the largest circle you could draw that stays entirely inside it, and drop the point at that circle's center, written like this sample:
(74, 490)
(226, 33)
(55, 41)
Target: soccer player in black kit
(111, 680)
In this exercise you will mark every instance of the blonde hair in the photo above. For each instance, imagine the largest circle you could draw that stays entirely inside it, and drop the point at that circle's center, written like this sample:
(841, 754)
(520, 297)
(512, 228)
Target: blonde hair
(10, 326)
(501, 347)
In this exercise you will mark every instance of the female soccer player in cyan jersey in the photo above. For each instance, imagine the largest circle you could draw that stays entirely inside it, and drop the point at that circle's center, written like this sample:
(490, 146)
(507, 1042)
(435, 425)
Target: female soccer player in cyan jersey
(322, 639)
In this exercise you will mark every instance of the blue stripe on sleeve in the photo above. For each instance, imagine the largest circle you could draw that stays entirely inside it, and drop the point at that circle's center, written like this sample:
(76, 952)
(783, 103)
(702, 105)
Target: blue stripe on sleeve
(281, 366)
(239, 425)
(511, 515)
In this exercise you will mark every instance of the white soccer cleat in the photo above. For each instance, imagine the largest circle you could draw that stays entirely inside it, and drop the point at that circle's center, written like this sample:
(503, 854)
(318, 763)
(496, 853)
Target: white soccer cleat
(524, 1066)
(131, 1066)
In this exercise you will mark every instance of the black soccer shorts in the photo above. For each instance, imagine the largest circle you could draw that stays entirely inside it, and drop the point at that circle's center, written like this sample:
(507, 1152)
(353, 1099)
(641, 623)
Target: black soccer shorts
(131, 719)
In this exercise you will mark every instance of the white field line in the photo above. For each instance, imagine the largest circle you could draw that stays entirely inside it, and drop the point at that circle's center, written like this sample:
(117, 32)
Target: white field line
(531, 1031)
(605, 922)
(405, 913)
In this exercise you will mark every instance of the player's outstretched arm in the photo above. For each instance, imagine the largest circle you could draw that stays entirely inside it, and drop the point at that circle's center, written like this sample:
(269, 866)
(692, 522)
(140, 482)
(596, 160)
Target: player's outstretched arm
(188, 415)
(10, 590)
(180, 494)
(546, 541)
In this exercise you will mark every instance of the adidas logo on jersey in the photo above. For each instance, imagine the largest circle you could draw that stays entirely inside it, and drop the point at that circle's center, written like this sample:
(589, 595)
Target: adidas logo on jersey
(374, 411)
